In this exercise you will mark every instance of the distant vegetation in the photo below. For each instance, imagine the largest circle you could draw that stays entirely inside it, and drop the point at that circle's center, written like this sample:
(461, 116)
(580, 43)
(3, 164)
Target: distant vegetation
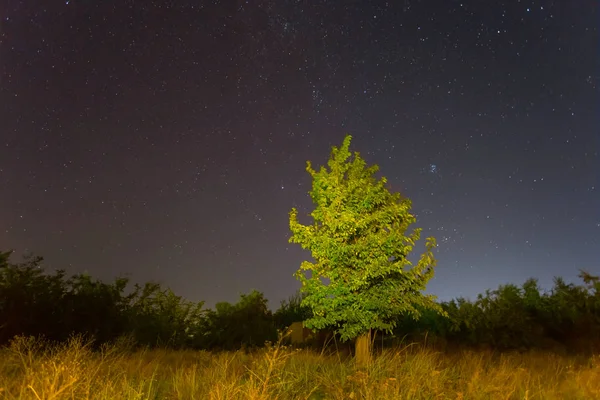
(54, 306)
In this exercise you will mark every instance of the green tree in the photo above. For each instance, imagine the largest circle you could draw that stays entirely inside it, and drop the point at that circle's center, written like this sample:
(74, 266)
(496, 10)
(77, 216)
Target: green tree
(362, 278)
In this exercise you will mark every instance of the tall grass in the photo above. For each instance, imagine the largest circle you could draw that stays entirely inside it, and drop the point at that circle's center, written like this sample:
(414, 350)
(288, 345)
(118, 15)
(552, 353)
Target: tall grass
(31, 369)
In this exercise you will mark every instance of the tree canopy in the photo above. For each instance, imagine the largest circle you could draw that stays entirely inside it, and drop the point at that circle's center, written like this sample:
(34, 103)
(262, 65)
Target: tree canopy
(362, 278)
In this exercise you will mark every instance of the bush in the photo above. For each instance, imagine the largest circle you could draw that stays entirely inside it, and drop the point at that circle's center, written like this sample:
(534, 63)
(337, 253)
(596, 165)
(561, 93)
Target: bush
(35, 303)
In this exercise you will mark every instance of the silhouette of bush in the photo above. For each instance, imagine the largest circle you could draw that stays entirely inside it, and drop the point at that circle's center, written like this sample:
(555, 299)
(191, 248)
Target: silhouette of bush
(246, 324)
(159, 317)
(50, 305)
(33, 303)
(525, 317)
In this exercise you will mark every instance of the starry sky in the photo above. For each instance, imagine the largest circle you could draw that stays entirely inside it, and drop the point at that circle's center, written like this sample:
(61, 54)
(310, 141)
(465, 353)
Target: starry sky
(167, 140)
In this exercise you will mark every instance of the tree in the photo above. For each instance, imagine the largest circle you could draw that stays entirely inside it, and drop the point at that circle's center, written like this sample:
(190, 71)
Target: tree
(362, 279)
(246, 324)
(158, 316)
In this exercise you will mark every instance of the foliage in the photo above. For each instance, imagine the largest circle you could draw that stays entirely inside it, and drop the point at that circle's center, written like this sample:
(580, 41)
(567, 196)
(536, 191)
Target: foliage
(362, 278)
(39, 304)
(248, 323)
(513, 317)
(35, 303)
(158, 317)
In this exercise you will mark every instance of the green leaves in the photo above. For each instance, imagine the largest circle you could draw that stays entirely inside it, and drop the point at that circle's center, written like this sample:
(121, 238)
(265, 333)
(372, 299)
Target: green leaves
(361, 278)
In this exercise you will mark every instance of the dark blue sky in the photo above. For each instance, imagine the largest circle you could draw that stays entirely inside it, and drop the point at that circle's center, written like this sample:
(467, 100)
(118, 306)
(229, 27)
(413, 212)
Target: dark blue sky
(168, 140)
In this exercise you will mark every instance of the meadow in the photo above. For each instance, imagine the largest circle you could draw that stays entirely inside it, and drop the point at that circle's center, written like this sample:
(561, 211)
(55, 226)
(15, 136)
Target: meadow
(31, 369)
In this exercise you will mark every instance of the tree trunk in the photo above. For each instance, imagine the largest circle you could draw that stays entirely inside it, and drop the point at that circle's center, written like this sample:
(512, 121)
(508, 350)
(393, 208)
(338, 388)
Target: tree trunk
(362, 349)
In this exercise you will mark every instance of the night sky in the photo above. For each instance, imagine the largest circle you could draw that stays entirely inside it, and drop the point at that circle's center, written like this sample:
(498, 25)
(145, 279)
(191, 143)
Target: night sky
(168, 140)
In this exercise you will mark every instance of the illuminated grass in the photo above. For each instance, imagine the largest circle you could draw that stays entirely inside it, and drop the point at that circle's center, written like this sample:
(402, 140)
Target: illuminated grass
(31, 370)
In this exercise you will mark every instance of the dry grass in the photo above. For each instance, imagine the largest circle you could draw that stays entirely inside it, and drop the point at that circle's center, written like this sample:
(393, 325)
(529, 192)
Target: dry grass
(29, 370)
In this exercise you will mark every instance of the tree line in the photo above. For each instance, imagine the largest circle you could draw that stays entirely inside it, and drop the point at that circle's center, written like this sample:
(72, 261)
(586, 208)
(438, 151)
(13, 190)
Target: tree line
(34, 302)
(360, 283)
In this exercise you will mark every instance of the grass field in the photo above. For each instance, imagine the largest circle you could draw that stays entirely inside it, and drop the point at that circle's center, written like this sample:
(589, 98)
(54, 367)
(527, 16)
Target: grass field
(29, 370)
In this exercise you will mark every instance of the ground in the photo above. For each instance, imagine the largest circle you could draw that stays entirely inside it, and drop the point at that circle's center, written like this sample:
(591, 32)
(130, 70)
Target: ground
(73, 371)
